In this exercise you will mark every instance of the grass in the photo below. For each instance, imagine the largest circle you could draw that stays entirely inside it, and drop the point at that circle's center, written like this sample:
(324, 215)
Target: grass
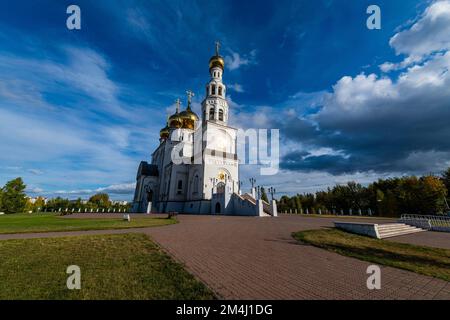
(355, 216)
(428, 261)
(26, 223)
(126, 266)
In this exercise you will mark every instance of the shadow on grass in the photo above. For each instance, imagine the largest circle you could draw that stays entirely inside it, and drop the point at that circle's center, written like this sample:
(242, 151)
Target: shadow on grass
(381, 255)
(428, 261)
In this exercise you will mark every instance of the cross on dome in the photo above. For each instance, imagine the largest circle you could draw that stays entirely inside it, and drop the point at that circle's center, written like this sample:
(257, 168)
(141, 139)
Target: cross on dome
(217, 47)
(178, 103)
(190, 94)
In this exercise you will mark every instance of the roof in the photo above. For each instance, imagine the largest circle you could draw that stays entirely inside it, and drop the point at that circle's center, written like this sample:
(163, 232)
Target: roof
(146, 169)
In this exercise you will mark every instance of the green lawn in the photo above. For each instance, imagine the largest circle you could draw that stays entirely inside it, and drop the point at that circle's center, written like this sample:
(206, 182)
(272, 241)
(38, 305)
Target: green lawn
(127, 266)
(429, 261)
(26, 223)
(354, 216)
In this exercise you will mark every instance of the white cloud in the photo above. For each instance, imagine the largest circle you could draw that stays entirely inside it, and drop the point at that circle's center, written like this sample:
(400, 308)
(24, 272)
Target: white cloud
(114, 189)
(428, 35)
(236, 87)
(235, 60)
(35, 190)
(35, 171)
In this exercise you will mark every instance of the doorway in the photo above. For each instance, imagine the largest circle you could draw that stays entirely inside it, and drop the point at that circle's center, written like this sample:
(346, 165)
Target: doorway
(217, 208)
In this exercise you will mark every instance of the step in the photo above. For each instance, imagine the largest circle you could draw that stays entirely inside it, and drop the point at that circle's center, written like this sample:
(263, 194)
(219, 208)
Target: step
(384, 235)
(398, 234)
(392, 225)
(396, 229)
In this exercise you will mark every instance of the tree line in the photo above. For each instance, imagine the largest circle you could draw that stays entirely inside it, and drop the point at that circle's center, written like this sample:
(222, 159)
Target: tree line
(14, 200)
(427, 195)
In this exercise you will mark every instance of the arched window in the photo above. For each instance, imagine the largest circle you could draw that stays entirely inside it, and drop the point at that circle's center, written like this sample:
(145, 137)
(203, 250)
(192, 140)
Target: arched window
(213, 89)
(211, 114)
(220, 115)
(207, 90)
(220, 91)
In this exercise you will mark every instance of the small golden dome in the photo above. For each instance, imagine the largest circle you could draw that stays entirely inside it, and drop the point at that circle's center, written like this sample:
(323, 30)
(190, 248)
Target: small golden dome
(164, 132)
(188, 118)
(216, 61)
(175, 121)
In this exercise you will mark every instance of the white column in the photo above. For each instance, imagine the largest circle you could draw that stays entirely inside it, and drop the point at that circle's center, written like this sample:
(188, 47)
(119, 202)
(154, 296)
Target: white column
(253, 193)
(273, 208)
(259, 208)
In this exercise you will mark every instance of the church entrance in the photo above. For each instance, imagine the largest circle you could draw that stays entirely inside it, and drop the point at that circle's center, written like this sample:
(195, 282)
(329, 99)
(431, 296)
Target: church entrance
(217, 208)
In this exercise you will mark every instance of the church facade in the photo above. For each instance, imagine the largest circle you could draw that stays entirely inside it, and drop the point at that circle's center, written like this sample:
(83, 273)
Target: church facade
(195, 168)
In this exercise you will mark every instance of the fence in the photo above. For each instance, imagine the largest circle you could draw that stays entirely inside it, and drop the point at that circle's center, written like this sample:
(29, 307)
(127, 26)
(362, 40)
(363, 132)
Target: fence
(432, 223)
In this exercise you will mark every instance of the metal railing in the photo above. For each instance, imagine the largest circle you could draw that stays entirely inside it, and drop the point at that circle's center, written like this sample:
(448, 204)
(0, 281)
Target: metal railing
(432, 223)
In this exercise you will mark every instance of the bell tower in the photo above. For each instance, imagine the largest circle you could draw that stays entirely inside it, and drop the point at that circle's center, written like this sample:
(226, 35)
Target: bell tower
(215, 106)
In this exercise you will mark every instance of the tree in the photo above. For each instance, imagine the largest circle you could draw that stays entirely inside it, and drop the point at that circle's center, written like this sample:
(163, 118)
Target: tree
(100, 200)
(13, 196)
(446, 180)
(57, 203)
(264, 195)
(432, 193)
(1, 204)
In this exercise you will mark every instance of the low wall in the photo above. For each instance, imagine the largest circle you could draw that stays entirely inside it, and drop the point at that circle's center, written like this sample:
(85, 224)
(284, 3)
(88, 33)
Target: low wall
(367, 229)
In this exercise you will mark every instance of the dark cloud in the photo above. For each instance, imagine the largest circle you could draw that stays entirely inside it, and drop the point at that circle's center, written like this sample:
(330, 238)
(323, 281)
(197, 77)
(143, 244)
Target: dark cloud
(379, 123)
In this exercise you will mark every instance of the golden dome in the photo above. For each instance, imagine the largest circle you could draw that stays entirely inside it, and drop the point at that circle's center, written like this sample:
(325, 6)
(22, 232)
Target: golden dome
(188, 118)
(164, 132)
(216, 61)
(175, 121)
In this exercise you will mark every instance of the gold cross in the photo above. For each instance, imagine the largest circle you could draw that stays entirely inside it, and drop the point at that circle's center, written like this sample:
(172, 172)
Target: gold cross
(217, 47)
(190, 94)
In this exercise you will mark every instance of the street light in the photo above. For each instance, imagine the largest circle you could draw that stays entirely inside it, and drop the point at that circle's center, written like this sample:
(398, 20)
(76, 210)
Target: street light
(240, 183)
(272, 191)
(252, 181)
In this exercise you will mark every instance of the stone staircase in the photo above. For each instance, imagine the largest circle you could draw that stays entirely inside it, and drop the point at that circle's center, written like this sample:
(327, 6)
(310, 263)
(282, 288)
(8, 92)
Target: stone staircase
(266, 206)
(396, 229)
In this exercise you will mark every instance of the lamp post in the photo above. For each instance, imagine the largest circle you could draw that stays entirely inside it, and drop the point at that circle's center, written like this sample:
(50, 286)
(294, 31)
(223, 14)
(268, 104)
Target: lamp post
(240, 183)
(272, 191)
(252, 181)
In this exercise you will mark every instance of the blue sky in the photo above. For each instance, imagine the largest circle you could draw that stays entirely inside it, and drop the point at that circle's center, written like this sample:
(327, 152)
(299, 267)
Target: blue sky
(80, 109)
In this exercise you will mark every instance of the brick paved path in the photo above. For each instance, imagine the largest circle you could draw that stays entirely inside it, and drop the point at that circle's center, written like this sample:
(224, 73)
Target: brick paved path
(256, 258)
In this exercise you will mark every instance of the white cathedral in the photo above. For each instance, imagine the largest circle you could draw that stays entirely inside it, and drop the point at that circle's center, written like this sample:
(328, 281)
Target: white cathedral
(195, 168)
